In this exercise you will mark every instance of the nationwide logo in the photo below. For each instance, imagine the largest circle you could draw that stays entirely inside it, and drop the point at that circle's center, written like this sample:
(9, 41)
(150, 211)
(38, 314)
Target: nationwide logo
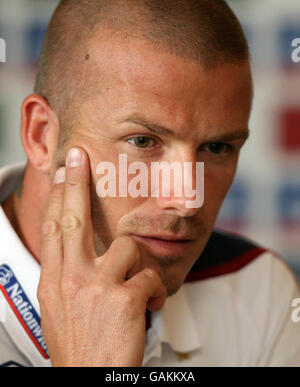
(5, 276)
(22, 308)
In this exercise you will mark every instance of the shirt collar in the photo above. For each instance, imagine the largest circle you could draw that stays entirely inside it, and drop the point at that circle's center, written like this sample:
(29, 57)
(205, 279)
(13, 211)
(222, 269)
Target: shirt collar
(176, 325)
(23, 268)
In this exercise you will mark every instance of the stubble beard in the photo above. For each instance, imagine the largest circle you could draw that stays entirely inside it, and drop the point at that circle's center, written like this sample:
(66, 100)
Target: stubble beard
(164, 265)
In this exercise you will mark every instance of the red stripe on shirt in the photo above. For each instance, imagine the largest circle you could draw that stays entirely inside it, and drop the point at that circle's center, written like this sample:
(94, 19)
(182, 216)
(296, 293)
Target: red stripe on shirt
(226, 268)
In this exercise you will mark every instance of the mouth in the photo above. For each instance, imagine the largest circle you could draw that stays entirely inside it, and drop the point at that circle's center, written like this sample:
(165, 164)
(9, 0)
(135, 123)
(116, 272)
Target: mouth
(165, 245)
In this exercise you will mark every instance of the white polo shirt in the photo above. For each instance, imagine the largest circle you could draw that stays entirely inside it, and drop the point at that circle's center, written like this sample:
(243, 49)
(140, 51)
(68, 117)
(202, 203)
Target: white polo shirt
(233, 310)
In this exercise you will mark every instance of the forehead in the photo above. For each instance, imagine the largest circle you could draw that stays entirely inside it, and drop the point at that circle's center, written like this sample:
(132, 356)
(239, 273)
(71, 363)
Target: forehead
(135, 75)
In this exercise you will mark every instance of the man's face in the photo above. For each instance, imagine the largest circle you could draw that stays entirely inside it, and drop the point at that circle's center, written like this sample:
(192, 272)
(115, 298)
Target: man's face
(137, 85)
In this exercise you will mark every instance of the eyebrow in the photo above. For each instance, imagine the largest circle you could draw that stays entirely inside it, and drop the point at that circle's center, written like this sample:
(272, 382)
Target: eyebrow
(240, 134)
(152, 126)
(237, 135)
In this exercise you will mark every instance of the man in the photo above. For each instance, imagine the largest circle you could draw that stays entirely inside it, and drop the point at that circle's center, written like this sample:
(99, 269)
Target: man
(130, 281)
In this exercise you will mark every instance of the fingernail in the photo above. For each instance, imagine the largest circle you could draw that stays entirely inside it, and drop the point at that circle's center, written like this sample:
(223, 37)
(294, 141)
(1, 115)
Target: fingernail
(60, 176)
(74, 158)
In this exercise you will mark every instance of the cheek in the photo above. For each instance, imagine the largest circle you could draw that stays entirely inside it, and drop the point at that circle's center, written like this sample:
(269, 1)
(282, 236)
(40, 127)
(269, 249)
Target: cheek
(113, 209)
(217, 184)
(109, 211)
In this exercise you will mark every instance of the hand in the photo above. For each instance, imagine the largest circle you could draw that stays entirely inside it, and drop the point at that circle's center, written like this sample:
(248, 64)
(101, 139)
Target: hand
(92, 308)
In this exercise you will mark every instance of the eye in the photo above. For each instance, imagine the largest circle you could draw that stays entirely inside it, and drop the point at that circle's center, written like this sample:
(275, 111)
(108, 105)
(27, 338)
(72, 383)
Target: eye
(142, 141)
(218, 147)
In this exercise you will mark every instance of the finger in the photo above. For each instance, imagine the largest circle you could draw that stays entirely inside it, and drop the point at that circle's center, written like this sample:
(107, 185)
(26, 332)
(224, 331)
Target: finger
(122, 260)
(150, 287)
(78, 241)
(51, 251)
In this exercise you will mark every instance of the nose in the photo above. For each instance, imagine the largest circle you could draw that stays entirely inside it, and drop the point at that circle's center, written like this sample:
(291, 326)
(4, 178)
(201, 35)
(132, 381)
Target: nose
(178, 185)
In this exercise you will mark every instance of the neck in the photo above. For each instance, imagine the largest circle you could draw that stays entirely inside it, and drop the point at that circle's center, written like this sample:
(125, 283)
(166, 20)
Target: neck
(25, 207)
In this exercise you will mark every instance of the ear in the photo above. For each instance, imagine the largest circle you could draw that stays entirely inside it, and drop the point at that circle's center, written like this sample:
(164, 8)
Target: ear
(39, 132)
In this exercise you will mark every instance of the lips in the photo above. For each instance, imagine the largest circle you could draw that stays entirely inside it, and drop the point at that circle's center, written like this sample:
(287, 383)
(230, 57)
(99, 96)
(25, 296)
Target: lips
(166, 237)
(170, 245)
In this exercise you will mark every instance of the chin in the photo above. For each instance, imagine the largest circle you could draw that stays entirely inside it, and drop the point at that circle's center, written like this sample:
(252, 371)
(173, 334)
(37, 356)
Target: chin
(172, 276)
(172, 284)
